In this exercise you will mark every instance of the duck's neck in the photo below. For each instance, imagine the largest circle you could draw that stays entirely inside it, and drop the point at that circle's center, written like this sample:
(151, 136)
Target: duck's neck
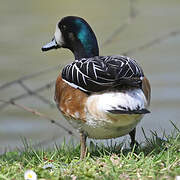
(85, 43)
(86, 50)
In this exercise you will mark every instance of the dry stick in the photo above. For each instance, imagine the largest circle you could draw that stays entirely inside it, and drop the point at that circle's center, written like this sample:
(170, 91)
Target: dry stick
(116, 32)
(122, 27)
(30, 76)
(132, 11)
(153, 42)
(20, 80)
(3, 105)
(38, 114)
(30, 92)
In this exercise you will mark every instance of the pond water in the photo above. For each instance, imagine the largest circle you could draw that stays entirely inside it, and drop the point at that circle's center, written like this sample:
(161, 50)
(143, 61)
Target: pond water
(152, 36)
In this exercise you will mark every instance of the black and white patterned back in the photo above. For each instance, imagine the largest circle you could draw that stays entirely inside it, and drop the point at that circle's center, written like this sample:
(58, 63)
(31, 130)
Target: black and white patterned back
(101, 73)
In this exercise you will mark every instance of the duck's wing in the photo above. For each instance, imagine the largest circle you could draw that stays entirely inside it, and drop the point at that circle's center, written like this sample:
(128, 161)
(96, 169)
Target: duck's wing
(103, 72)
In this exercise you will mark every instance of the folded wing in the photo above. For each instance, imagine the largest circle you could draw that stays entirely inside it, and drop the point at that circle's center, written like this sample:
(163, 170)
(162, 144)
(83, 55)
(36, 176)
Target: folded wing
(101, 73)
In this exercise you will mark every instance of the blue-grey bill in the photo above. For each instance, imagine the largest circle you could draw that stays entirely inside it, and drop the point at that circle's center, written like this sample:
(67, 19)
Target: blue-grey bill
(51, 45)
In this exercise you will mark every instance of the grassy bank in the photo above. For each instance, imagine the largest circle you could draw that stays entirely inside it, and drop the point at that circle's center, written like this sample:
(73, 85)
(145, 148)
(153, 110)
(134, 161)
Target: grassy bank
(158, 159)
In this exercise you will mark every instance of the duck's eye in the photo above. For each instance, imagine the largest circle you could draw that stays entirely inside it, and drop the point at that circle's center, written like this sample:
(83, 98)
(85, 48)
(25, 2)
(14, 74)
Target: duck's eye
(63, 27)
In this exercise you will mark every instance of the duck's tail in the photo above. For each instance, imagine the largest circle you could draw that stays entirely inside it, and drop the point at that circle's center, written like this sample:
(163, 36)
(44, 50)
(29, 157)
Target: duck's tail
(132, 101)
(119, 111)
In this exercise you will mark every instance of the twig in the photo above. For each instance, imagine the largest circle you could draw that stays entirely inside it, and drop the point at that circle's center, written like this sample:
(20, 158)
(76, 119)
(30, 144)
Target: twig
(30, 92)
(38, 114)
(30, 76)
(26, 94)
(132, 11)
(122, 27)
(153, 42)
(116, 32)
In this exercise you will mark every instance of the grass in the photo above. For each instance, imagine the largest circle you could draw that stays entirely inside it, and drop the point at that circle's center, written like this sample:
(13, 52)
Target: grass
(158, 159)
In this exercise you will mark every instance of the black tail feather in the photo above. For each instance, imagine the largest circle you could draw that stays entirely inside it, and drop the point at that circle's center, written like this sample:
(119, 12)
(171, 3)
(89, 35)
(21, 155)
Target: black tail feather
(139, 111)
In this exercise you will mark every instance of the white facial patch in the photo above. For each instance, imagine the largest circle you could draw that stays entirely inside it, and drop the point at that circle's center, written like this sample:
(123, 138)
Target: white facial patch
(58, 36)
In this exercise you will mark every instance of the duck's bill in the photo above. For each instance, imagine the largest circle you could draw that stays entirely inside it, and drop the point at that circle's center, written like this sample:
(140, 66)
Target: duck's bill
(51, 45)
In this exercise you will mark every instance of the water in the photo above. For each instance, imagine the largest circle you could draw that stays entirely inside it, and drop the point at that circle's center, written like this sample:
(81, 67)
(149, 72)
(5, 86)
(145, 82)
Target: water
(26, 26)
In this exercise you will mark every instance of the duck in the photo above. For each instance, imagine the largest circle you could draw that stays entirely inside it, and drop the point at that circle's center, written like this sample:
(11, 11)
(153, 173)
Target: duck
(103, 97)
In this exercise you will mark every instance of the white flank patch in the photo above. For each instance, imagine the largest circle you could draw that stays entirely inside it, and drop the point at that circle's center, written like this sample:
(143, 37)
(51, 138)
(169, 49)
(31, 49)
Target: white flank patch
(101, 124)
(130, 99)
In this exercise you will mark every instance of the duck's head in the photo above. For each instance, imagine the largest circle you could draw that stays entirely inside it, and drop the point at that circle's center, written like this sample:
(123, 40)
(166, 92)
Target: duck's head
(75, 34)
